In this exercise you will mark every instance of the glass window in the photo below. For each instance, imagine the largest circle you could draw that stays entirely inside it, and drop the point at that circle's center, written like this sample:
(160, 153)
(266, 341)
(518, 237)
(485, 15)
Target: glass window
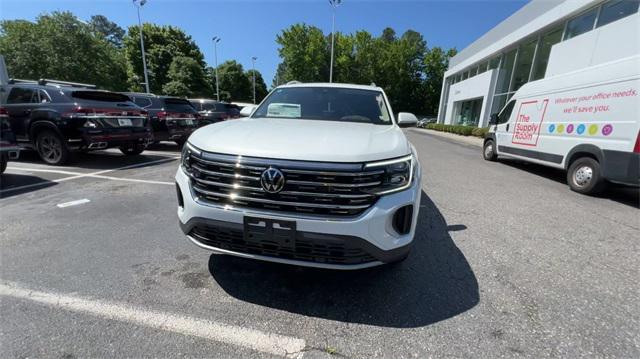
(617, 9)
(523, 65)
(20, 95)
(581, 24)
(504, 77)
(44, 97)
(178, 105)
(499, 101)
(483, 67)
(544, 50)
(142, 102)
(469, 112)
(504, 116)
(326, 104)
(494, 63)
(465, 75)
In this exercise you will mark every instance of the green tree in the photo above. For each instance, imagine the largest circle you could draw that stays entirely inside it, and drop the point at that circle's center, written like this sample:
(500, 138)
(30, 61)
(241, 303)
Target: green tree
(261, 86)
(186, 79)
(162, 45)
(303, 50)
(234, 81)
(436, 62)
(60, 46)
(110, 30)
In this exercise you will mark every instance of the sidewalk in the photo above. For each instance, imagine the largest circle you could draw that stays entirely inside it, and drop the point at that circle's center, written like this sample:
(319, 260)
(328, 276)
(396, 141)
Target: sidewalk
(469, 140)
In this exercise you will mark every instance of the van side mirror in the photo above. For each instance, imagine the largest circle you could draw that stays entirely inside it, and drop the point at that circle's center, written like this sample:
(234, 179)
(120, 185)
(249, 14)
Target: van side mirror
(493, 120)
(247, 111)
(406, 119)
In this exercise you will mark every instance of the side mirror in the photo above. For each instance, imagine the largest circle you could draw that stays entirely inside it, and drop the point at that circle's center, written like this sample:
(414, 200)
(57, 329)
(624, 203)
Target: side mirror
(493, 120)
(247, 111)
(406, 119)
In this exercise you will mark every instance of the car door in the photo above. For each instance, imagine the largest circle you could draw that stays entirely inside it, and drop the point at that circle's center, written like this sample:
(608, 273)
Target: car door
(19, 106)
(504, 126)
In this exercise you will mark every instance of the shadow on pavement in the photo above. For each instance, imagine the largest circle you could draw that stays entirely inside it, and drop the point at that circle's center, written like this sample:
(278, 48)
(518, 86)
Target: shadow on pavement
(626, 195)
(96, 160)
(433, 284)
(8, 181)
(165, 147)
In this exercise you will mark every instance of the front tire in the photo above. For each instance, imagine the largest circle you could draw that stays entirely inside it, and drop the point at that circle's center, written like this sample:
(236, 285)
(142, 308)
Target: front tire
(52, 148)
(3, 162)
(584, 176)
(132, 150)
(489, 151)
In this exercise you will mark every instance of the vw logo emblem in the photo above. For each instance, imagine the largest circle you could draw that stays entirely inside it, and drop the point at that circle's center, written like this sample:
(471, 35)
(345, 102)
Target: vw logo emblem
(272, 180)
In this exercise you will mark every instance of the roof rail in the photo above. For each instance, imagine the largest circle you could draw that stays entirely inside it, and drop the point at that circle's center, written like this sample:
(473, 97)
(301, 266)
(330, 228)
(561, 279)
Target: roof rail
(373, 84)
(13, 81)
(65, 83)
(294, 82)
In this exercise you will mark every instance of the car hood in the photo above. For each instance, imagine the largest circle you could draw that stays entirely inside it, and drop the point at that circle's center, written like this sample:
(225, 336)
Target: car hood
(309, 140)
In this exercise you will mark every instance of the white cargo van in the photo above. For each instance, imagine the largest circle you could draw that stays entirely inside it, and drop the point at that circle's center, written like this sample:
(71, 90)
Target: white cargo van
(586, 122)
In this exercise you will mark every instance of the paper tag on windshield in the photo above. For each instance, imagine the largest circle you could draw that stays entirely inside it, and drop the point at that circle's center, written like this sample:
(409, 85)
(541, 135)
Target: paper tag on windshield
(284, 110)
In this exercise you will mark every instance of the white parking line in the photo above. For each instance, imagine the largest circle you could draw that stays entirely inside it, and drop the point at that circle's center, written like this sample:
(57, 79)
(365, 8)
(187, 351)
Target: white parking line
(76, 175)
(244, 337)
(73, 203)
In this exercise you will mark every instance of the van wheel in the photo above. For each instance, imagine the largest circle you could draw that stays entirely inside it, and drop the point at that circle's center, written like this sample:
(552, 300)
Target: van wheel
(51, 148)
(584, 176)
(489, 151)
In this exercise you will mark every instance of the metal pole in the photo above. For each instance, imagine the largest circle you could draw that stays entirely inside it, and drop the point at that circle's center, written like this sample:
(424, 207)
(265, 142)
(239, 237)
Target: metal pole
(144, 59)
(215, 52)
(333, 31)
(334, 5)
(253, 60)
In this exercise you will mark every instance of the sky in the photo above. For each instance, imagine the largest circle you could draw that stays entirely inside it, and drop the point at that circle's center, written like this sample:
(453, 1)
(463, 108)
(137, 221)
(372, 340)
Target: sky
(249, 27)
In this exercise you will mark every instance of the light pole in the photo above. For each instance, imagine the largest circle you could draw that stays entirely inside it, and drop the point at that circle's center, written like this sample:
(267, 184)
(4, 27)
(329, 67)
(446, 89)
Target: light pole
(334, 5)
(216, 40)
(253, 61)
(139, 4)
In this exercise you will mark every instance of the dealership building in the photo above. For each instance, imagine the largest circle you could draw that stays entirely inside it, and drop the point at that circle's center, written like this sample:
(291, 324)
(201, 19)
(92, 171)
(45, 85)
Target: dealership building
(542, 39)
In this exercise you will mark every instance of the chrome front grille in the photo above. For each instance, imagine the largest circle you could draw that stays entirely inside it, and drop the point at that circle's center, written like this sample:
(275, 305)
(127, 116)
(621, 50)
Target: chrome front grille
(311, 188)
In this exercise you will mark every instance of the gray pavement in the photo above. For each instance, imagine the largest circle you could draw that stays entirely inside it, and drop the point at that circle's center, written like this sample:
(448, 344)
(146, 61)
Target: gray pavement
(507, 262)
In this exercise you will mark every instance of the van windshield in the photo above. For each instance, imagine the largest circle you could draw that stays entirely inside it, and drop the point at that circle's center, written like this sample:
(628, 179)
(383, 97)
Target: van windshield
(326, 103)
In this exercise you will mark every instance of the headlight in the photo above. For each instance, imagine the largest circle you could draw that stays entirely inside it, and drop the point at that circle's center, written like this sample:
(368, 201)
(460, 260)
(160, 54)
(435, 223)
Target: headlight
(187, 151)
(398, 174)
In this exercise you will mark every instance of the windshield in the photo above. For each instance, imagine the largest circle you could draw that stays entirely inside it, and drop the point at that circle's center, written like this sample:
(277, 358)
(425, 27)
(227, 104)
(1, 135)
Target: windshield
(326, 103)
(178, 105)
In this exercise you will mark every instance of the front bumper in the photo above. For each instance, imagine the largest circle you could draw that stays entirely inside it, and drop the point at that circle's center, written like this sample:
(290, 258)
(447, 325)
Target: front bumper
(370, 236)
(12, 152)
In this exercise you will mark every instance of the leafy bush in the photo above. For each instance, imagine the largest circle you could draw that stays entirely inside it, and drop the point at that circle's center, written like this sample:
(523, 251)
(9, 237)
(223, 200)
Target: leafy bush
(458, 129)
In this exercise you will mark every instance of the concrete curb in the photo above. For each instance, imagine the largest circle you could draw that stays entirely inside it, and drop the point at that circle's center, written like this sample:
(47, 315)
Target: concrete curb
(468, 140)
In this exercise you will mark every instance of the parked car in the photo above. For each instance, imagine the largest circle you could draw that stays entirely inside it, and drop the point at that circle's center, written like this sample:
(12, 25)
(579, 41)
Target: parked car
(172, 118)
(212, 111)
(586, 122)
(9, 149)
(319, 175)
(56, 117)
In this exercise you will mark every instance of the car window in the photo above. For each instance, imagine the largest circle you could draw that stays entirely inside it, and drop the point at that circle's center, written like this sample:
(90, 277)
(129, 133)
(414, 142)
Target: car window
(208, 106)
(44, 97)
(326, 103)
(504, 116)
(179, 105)
(20, 95)
(142, 102)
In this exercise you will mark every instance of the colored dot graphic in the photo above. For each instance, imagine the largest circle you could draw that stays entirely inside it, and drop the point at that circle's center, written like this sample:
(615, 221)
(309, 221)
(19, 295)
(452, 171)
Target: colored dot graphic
(569, 128)
(560, 128)
(593, 129)
(580, 129)
(607, 129)
(552, 128)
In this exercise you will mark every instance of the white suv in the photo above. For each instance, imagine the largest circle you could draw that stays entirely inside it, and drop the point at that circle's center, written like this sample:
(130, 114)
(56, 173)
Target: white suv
(318, 175)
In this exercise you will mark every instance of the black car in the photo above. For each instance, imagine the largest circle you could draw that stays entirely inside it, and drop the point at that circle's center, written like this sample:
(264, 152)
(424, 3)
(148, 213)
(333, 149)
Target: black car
(172, 118)
(56, 117)
(212, 111)
(8, 146)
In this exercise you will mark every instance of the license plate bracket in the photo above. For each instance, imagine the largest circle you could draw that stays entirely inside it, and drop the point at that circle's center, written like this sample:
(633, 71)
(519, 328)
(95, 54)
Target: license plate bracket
(263, 230)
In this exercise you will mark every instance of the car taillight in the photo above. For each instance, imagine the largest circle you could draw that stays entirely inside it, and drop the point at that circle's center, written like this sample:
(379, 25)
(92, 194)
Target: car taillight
(3, 111)
(162, 115)
(636, 148)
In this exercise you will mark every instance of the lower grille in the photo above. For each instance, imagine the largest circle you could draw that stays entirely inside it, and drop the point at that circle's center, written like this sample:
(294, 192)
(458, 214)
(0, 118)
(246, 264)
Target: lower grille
(326, 251)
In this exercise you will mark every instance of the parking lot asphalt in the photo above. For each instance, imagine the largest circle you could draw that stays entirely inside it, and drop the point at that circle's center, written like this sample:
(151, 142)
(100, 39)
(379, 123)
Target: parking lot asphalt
(507, 262)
